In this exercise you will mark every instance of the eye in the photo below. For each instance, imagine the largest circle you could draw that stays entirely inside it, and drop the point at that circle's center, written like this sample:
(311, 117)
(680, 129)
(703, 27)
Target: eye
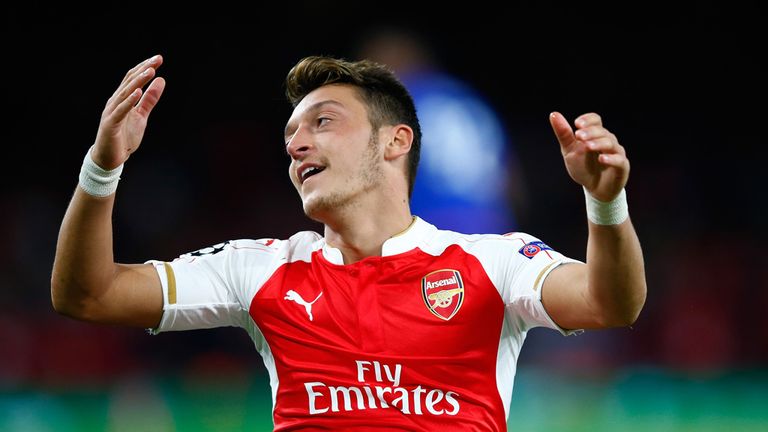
(322, 120)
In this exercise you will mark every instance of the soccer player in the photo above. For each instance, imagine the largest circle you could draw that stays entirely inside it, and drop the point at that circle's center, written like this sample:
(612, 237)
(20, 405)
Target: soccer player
(384, 321)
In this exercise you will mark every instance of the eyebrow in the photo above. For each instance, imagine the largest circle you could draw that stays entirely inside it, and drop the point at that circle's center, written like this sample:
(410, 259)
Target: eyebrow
(313, 108)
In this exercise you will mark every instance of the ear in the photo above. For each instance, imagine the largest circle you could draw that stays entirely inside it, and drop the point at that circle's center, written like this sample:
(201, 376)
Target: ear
(399, 142)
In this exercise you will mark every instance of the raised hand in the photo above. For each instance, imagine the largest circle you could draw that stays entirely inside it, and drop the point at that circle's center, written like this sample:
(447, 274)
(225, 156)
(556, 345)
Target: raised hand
(592, 155)
(124, 118)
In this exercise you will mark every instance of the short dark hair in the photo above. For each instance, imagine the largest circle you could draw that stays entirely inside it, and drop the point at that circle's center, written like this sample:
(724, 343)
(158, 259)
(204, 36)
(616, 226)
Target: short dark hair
(388, 101)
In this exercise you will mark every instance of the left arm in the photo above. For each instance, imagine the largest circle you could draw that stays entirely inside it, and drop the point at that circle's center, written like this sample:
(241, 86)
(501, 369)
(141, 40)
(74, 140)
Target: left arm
(610, 290)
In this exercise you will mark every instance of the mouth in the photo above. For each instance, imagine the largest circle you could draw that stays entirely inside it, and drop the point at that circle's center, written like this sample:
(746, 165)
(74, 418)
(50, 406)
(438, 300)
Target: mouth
(307, 171)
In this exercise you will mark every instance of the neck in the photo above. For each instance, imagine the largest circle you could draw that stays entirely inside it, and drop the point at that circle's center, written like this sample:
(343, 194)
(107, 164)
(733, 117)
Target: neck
(359, 234)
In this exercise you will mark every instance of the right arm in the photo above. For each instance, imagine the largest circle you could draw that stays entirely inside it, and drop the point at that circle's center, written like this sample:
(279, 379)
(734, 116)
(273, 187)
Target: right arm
(86, 283)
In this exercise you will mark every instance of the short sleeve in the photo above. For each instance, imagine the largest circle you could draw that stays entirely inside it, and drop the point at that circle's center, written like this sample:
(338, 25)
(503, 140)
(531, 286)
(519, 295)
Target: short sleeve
(212, 287)
(521, 267)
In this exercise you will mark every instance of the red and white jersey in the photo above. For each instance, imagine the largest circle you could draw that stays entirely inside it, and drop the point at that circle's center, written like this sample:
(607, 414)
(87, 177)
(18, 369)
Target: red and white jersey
(425, 337)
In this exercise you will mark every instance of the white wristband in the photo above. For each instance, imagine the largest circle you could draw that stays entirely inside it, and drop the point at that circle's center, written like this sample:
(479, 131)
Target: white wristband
(607, 213)
(97, 181)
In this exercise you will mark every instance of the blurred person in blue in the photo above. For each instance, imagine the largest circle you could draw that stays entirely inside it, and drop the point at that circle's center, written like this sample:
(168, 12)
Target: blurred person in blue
(468, 166)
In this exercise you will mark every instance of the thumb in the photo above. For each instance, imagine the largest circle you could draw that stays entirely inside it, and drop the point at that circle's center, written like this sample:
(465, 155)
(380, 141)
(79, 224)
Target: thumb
(562, 130)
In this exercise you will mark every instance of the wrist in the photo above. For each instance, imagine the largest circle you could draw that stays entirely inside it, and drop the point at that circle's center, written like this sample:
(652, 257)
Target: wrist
(612, 212)
(97, 181)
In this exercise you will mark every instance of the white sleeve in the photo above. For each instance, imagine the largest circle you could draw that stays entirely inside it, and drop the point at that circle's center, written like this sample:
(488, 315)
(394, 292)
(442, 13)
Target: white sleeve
(532, 262)
(212, 287)
(517, 264)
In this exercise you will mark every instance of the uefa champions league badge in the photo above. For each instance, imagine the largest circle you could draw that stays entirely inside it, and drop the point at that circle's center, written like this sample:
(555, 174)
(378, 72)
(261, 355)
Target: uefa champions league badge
(211, 250)
(531, 249)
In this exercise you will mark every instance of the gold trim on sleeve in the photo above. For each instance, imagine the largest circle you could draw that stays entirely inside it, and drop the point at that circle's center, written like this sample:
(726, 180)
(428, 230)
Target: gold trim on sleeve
(535, 284)
(171, 283)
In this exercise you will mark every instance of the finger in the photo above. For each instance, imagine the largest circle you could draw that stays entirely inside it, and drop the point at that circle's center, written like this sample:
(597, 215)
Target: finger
(613, 160)
(562, 130)
(156, 88)
(588, 119)
(605, 145)
(593, 133)
(125, 87)
(151, 97)
(154, 61)
(122, 109)
(124, 91)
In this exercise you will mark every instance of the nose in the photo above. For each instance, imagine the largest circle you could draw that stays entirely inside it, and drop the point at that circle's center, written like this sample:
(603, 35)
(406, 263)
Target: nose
(300, 144)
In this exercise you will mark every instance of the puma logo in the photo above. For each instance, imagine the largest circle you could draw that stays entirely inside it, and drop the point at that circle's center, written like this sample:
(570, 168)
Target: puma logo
(294, 296)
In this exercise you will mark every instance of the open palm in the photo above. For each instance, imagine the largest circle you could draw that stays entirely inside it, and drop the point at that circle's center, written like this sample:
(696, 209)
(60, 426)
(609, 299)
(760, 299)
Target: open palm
(125, 115)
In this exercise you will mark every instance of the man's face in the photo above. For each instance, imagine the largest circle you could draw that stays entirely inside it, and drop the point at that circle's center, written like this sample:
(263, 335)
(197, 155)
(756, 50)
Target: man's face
(335, 158)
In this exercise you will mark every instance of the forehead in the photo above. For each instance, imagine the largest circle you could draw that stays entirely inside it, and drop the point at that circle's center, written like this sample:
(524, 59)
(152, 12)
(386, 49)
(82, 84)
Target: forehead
(342, 96)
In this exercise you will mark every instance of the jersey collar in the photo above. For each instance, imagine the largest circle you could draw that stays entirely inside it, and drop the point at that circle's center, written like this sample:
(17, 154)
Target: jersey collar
(411, 238)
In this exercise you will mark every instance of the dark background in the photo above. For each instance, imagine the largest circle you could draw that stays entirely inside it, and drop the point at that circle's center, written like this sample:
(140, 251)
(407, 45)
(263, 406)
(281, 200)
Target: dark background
(682, 88)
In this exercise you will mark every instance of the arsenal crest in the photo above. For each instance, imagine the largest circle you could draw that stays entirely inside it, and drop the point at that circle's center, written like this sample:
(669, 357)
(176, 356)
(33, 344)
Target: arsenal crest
(443, 292)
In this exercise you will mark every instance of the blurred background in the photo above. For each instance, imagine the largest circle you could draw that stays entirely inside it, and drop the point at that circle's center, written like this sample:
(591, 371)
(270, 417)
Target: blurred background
(682, 89)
